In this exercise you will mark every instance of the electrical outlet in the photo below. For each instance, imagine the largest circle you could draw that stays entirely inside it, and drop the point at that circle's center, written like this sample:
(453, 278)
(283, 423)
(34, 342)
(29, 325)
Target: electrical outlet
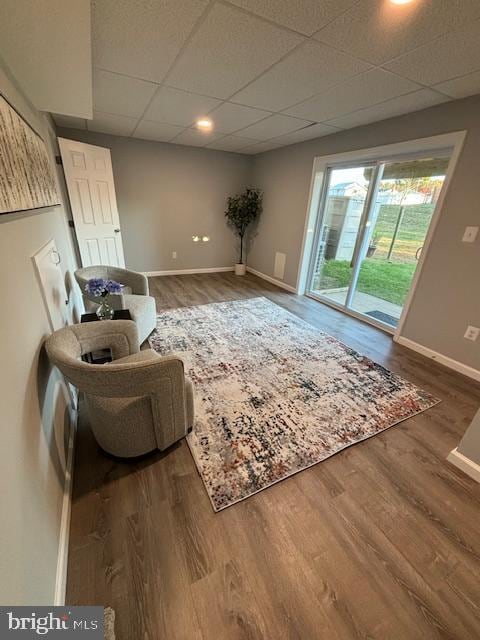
(472, 333)
(470, 234)
(174, 255)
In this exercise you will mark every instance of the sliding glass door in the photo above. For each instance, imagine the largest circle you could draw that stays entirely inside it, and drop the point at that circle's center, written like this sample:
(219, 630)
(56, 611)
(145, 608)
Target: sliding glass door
(343, 203)
(370, 233)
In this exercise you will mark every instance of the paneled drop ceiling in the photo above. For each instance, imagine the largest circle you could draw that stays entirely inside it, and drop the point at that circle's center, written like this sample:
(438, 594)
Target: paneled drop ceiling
(269, 73)
(46, 44)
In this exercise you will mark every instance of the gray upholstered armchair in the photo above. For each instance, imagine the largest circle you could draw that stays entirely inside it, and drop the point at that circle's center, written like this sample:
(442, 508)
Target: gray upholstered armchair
(137, 403)
(135, 296)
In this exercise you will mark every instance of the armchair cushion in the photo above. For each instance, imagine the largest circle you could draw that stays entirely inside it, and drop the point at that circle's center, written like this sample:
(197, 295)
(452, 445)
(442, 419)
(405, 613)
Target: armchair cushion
(147, 355)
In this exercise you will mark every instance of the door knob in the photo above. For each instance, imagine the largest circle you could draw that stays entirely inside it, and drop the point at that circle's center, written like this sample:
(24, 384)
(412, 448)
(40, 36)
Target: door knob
(117, 230)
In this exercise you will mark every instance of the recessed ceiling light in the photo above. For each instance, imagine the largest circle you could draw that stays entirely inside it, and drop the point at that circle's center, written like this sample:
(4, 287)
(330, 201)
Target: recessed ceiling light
(205, 124)
(401, 1)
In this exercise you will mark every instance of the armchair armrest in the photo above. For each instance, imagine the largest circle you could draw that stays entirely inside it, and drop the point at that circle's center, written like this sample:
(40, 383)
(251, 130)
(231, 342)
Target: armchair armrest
(135, 378)
(65, 346)
(161, 378)
(121, 336)
(137, 282)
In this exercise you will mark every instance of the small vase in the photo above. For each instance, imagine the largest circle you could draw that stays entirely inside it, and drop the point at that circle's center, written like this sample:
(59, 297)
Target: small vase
(105, 310)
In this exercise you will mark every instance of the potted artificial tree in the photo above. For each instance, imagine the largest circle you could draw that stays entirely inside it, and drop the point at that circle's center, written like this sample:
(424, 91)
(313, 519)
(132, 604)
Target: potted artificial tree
(241, 211)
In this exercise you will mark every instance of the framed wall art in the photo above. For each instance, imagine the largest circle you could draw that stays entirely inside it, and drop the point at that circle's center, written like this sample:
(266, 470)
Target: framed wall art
(27, 179)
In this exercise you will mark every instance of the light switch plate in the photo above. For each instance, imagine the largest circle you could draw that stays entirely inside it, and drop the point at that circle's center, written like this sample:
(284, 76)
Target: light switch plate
(470, 234)
(472, 333)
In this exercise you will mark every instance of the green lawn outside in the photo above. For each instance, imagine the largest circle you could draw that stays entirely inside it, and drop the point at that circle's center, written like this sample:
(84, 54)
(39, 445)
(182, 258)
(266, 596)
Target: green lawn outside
(411, 234)
(385, 280)
(388, 281)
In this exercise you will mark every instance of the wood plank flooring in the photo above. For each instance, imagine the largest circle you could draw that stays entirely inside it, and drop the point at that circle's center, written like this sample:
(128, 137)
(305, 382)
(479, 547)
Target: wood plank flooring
(381, 541)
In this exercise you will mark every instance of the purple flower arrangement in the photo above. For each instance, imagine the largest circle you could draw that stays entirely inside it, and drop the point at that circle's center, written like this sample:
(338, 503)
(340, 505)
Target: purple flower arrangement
(100, 288)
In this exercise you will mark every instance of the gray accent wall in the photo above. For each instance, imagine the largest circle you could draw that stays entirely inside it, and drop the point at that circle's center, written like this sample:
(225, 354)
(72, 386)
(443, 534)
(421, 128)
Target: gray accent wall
(447, 298)
(168, 193)
(34, 420)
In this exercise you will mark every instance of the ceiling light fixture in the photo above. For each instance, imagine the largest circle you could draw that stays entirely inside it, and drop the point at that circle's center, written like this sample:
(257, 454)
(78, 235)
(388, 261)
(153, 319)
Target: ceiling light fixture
(204, 124)
(401, 1)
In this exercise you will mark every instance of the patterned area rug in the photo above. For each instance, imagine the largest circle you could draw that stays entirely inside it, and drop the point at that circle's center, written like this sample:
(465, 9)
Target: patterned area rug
(274, 395)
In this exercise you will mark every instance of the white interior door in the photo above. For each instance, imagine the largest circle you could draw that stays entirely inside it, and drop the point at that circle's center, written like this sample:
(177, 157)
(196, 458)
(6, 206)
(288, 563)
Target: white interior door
(91, 189)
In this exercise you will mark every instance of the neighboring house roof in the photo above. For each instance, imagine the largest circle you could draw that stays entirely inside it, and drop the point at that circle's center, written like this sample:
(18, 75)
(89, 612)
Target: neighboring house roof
(385, 196)
(349, 188)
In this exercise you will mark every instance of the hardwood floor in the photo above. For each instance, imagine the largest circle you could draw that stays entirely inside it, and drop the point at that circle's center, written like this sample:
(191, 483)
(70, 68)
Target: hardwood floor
(381, 541)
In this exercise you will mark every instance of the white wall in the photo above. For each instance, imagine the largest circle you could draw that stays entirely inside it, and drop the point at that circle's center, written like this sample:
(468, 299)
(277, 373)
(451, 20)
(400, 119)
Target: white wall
(33, 423)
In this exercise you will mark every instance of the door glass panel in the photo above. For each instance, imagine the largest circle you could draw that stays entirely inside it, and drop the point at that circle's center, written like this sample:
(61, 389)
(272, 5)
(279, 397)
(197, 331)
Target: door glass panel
(343, 207)
(397, 226)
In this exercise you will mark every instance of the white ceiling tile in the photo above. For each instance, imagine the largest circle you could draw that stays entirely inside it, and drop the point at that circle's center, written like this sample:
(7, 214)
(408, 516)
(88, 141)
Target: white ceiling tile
(305, 16)
(229, 49)
(462, 87)
(231, 143)
(260, 147)
(361, 91)
(275, 125)
(397, 106)
(158, 131)
(196, 138)
(179, 107)
(230, 117)
(69, 122)
(449, 56)
(46, 44)
(314, 131)
(141, 38)
(310, 69)
(113, 124)
(378, 31)
(114, 93)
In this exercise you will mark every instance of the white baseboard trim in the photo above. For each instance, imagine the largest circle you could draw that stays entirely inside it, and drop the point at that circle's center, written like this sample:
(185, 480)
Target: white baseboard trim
(62, 559)
(179, 272)
(278, 283)
(470, 372)
(463, 463)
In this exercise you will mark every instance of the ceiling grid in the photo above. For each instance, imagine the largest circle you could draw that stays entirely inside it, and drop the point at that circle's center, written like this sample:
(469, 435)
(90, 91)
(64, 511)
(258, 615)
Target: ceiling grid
(274, 72)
